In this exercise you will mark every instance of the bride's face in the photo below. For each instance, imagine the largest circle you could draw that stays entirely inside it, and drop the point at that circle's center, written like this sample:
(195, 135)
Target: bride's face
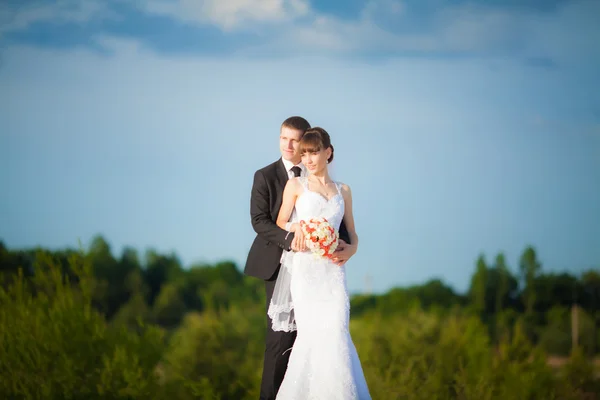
(316, 161)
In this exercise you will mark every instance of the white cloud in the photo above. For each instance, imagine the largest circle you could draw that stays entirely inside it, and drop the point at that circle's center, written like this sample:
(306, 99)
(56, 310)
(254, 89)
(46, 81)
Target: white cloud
(373, 8)
(468, 28)
(567, 35)
(78, 11)
(570, 34)
(455, 28)
(229, 14)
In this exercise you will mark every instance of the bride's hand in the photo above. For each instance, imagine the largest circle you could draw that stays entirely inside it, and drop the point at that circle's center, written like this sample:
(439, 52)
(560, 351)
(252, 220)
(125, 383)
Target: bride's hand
(298, 242)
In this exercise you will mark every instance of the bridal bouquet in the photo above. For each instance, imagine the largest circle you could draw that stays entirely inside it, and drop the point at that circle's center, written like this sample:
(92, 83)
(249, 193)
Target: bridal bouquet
(321, 238)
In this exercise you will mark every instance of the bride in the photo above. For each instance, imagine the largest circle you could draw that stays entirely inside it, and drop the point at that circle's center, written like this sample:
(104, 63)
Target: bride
(311, 295)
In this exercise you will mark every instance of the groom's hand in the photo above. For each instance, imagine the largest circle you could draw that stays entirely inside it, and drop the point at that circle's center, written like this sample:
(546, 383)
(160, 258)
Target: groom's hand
(343, 253)
(298, 243)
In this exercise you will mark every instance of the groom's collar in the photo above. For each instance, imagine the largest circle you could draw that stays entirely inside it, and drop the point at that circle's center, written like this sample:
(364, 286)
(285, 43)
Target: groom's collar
(288, 165)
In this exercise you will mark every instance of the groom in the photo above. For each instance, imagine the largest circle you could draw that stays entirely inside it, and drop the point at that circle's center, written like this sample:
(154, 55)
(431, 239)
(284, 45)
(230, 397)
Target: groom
(264, 257)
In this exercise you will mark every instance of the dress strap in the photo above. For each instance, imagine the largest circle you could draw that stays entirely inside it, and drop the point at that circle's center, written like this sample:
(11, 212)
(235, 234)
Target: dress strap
(338, 186)
(303, 181)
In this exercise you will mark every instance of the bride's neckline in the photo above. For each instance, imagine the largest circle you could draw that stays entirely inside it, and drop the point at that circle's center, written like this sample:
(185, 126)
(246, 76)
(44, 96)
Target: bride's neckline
(338, 193)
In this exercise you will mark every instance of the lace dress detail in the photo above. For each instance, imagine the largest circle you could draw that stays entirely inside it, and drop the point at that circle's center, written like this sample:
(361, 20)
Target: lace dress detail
(323, 363)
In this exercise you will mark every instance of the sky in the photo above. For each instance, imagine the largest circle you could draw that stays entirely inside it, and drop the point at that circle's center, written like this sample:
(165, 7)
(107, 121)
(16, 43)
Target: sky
(463, 128)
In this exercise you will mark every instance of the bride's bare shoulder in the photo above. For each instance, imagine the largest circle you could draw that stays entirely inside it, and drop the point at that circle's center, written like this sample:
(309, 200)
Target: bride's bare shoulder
(344, 188)
(294, 185)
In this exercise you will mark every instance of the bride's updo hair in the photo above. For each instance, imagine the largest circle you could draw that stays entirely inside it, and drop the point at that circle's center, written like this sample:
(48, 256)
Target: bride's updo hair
(314, 140)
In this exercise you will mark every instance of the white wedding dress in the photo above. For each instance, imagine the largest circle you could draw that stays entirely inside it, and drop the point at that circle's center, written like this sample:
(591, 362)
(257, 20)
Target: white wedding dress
(311, 296)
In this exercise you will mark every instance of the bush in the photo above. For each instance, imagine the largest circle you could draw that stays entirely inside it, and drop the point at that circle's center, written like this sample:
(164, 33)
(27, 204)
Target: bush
(217, 355)
(579, 376)
(420, 355)
(54, 345)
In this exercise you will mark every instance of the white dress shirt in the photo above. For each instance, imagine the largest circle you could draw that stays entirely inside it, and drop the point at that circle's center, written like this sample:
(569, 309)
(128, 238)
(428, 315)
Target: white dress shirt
(288, 167)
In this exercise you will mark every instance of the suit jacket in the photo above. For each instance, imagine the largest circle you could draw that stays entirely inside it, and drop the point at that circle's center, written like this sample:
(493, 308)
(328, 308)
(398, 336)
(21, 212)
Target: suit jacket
(265, 200)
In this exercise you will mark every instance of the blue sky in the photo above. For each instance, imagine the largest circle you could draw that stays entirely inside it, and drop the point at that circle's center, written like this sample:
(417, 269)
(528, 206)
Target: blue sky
(462, 127)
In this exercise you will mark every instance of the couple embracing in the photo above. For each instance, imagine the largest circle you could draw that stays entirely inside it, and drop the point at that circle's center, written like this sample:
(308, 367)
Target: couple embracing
(309, 353)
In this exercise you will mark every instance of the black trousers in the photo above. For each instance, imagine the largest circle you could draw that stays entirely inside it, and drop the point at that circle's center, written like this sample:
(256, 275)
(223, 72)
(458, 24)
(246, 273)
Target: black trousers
(277, 353)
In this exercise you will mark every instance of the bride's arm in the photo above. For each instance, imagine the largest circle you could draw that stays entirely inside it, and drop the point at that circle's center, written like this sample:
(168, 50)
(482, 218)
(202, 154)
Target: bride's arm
(290, 193)
(342, 255)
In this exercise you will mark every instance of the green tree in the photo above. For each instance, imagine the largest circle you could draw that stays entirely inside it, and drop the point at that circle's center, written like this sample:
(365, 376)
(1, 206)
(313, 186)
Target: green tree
(478, 288)
(554, 289)
(169, 308)
(503, 281)
(109, 278)
(217, 355)
(160, 269)
(530, 267)
(590, 282)
(55, 345)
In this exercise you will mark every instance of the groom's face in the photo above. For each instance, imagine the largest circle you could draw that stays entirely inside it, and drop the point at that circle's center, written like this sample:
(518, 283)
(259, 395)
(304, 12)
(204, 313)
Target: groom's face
(289, 140)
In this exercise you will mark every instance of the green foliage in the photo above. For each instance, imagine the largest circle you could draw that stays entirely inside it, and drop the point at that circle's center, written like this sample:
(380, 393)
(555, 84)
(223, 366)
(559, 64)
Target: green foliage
(555, 338)
(217, 353)
(434, 294)
(54, 345)
(503, 283)
(580, 376)
(478, 289)
(169, 306)
(160, 269)
(422, 356)
(91, 326)
(530, 268)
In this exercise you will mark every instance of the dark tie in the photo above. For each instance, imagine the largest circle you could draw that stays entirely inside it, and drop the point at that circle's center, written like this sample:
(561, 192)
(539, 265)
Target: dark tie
(296, 170)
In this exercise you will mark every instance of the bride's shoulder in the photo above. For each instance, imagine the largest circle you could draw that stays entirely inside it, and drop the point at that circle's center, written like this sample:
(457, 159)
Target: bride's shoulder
(344, 188)
(294, 184)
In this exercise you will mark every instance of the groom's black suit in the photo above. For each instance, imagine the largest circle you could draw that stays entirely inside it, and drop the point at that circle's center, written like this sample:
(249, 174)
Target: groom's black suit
(264, 261)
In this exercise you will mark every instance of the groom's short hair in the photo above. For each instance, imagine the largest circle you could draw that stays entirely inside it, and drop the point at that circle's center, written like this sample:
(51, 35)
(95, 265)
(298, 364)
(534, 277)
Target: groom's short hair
(297, 123)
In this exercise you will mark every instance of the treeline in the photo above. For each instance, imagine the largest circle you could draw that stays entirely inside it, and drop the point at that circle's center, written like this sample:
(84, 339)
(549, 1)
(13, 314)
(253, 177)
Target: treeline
(158, 289)
(88, 324)
(544, 301)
